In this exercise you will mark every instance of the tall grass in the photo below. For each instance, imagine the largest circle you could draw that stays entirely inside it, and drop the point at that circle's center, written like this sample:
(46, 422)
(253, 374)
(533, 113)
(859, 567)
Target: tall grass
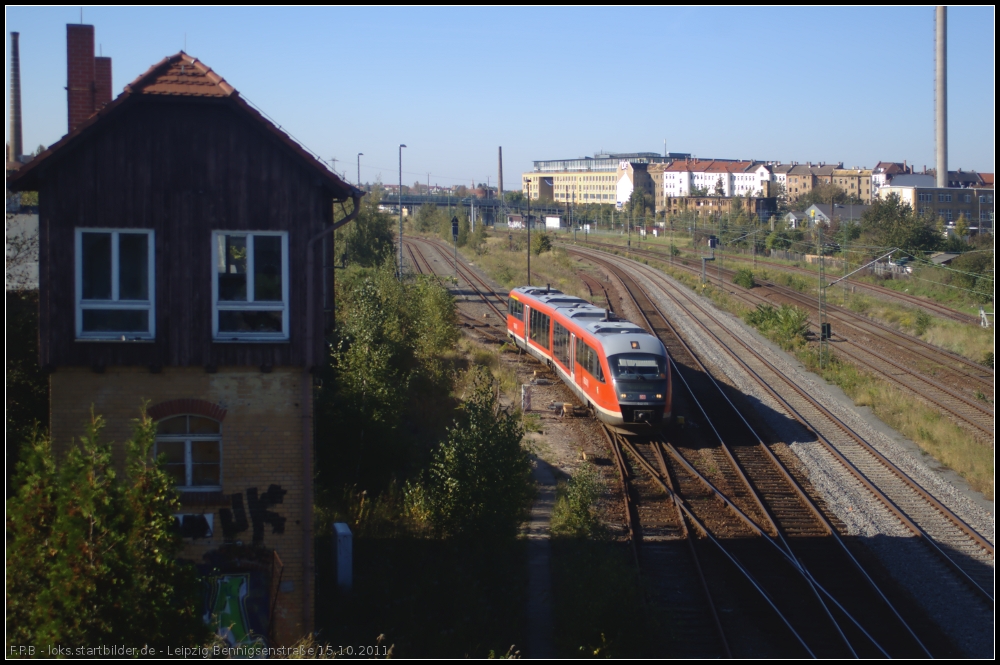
(936, 436)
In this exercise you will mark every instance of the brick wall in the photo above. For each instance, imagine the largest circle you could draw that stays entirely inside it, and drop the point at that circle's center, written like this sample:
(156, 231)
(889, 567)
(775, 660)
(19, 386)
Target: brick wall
(79, 72)
(261, 446)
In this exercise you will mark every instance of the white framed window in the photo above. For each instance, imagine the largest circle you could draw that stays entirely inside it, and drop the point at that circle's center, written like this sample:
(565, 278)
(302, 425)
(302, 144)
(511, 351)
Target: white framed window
(115, 284)
(250, 286)
(191, 447)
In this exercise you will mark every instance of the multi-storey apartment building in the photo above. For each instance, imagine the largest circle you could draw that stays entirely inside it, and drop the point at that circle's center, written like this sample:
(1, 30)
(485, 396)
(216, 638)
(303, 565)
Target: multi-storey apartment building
(803, 178)
(718, 177)
(855, 182)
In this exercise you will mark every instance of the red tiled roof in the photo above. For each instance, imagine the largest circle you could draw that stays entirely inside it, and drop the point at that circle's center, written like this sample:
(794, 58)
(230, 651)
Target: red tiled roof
(184, 76)
(709, 166)
(181, 74)
(987, 178)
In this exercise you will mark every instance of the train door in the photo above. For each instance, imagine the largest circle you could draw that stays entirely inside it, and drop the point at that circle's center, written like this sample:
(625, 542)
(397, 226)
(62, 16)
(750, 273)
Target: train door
(572, 356)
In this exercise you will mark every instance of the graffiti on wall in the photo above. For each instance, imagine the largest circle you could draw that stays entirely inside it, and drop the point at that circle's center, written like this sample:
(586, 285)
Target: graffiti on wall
(234, 519)
(237, 608)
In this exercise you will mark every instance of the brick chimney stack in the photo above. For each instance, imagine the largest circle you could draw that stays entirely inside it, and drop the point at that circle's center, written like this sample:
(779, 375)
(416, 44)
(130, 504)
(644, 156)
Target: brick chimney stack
(79, 72)
(16, 147)
(88, 79)
(102, 82)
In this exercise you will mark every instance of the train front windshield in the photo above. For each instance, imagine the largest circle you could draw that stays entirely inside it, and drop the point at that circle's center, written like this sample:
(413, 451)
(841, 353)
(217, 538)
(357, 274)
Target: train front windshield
(638, 367)
(639, 377)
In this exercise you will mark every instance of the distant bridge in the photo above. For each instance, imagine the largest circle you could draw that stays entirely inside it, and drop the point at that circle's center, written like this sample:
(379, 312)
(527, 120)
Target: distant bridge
(488, 208)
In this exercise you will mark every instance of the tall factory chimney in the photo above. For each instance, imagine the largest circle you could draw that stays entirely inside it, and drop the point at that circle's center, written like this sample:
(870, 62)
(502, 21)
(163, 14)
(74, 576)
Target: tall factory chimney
(16, 143)
(941, 93)
(500, 173)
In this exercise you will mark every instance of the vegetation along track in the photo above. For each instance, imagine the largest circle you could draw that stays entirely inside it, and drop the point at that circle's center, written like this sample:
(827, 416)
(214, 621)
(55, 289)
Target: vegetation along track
(491, 325)
(766, 522)
(935, 308)
(903, 360)
(964, 550)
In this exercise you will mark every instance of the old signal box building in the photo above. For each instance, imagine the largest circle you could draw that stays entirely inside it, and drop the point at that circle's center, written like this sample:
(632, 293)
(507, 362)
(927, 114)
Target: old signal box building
(180, 265)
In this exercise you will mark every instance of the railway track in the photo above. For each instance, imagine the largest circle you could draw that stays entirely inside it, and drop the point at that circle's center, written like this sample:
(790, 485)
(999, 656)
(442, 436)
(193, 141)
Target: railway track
(764, 501)
(667, 554)
(872, 345)
(496, 302)
(930, 306)
(958, 545)
(487, 327)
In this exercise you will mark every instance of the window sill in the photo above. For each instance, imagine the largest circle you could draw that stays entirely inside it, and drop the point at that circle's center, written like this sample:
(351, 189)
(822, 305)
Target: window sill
(117, 338)
(202, 497)
(251, 340)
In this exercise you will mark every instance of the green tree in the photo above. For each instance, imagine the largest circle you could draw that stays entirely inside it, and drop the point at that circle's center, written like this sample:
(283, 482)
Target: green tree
(96, 557)
(779, 239)
(427, 218)
(540, 242)
(463, 229)
(479, 483)
(720, 188)
(889, 222)
(369, 240)
(385, 364)
(821, 193)
(27, 385)
(514, 198)
(962, 226)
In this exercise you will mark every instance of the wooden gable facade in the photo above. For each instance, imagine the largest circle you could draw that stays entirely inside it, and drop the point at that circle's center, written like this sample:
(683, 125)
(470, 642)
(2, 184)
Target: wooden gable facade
(172, 176)
(182, 154)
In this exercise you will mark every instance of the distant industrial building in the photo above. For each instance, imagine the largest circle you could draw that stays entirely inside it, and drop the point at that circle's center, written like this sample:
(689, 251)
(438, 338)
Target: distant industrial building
(586, 180)
(947, 203)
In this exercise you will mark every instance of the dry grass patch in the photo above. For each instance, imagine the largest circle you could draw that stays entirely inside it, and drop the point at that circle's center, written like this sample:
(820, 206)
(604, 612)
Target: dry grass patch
(946, 442)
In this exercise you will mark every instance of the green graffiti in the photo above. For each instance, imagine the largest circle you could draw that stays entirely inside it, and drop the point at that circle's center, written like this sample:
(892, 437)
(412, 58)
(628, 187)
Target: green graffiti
(228, 609)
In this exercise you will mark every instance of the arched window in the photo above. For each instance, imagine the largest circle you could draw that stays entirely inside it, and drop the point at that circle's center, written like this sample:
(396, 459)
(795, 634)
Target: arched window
(192, 448)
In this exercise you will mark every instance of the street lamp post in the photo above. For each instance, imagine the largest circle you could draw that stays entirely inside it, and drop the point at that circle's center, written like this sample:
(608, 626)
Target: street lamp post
(528, 223)
(359, 168)
(401, 146)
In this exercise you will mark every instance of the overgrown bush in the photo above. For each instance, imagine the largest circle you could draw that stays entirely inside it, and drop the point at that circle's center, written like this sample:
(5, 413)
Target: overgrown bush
(387, 382)
(574, 513)
(91, 558)
(540, 242)
(788, 326)
(744, 278)
(479, 484)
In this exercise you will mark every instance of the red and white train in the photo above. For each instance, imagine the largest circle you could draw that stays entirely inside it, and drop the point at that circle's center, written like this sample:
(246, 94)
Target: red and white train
(617, 368)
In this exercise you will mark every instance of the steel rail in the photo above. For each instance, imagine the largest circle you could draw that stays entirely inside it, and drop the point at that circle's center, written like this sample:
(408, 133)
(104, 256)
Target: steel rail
(774, 460)
(787, 555)
(974, 371)
(466, 273)
(787, 551)
(866, 447)
(694, 553)
(704, 529)
(936, 308)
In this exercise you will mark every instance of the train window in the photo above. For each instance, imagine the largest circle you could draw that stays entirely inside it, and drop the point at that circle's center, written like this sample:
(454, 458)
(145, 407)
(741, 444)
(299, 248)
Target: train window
(515, 307)
(638, 366)
(588, 359)
(560, 344)
(540, 328)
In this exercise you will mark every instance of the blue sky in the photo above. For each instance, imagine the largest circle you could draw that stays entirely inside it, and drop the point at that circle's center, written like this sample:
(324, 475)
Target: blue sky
(808, 84)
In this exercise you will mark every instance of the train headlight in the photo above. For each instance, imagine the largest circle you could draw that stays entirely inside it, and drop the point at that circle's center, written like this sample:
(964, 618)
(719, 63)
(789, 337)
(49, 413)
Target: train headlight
(659, 397)
(624, 395)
